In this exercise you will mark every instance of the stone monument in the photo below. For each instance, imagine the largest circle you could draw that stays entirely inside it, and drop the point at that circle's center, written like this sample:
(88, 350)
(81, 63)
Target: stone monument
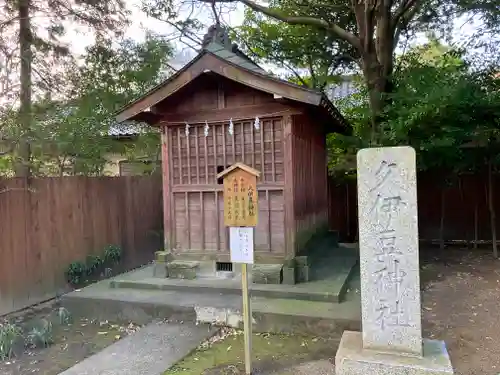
(391, 339)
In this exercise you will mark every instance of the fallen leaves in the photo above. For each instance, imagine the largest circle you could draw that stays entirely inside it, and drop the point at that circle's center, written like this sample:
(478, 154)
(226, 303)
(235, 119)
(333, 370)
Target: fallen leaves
(222, 334)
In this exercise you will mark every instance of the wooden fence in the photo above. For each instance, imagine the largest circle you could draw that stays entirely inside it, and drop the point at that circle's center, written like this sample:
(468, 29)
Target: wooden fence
(47, 223)
(455, 212)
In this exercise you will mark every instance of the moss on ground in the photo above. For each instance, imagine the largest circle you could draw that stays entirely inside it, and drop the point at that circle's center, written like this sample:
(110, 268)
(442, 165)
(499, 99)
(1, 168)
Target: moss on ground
(270, 352)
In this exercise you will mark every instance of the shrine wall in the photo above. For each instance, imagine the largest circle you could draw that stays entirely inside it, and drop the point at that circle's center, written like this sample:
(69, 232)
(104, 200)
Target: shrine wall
(310, 185)
(197, 150)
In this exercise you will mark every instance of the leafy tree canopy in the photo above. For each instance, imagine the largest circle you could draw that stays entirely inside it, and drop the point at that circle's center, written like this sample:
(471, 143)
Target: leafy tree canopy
(313, 37)
(439, 106)
(70, 136)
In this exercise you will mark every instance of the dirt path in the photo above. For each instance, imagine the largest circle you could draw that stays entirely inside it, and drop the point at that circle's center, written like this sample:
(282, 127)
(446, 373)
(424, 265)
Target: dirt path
(462, 306)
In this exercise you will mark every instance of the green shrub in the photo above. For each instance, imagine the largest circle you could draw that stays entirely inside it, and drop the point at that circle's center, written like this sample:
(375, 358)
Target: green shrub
(76, 272)
(112, 254)
(9, 336)
(93, 264)
(64, 316)
(40, 336)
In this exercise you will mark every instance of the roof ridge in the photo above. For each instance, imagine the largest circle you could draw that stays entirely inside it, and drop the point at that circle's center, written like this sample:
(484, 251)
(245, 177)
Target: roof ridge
(234, 50)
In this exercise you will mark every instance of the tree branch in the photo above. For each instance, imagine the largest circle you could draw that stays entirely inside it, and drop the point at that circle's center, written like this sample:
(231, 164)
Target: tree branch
(402, 11)
(340, 59)
(300, 20)
(311, 71)
(8, 22)
(216, 15)
(402, 23)
(297, 75)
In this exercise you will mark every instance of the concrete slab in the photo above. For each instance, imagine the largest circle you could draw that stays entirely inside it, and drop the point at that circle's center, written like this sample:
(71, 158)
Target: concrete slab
(150, 351)
(269, 314)
(329, 288)
(352, 359)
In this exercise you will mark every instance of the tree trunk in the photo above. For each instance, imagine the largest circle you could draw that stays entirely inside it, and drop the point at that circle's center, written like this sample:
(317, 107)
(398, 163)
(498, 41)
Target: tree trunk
(377, 81)
(491, 206)
(23, 152)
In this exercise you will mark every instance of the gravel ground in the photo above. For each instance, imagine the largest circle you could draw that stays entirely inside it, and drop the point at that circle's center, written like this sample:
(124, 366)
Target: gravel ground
(460, 305)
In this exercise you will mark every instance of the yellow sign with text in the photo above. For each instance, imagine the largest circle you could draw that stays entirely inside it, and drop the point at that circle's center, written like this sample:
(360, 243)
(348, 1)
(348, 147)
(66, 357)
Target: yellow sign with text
(240, 196)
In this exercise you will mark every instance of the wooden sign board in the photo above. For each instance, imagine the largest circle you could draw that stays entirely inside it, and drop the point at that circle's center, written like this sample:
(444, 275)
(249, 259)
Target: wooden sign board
(240, 195)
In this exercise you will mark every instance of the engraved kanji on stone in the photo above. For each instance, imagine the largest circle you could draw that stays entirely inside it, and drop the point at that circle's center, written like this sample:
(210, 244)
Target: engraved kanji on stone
(391, 315)
(387, 248)
(389, 278)
(383, 209)
(383, 173)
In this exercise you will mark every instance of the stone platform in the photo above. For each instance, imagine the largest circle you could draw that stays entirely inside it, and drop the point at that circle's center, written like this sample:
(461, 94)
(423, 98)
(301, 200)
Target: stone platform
(275, 308)
(352, 359)
(99, 301)
(326, 305)
(331, 289)
(331, 267)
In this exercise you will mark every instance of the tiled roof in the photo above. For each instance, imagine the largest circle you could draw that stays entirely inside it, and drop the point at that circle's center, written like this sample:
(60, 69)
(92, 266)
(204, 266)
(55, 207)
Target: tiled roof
(233, 57)
(216, 43)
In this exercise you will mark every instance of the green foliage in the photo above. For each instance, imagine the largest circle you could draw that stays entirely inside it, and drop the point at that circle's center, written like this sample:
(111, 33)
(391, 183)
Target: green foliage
(309, 54)
(64, 316)
(108, 79)
(36, 333)
(439, 106)
(76, 273)
(93, 264)
(34, 49)
(112, 254)
(342, 148)
(70, 137)
(10, 334)
(313, 45)
(41, 335)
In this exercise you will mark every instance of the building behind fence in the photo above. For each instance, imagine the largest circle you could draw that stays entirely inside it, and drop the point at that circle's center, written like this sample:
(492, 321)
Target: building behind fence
(48, 223)
(449, 211)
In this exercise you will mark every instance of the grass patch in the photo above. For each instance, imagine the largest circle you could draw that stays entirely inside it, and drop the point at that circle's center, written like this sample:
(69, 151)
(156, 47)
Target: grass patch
(270, 352)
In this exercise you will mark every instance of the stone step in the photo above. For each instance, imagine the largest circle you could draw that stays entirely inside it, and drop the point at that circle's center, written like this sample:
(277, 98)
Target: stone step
(330, 287)
(269, 315)
(324, 293)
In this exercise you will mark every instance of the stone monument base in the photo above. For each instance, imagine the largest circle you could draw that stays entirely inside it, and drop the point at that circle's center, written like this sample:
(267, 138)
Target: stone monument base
(352, 359)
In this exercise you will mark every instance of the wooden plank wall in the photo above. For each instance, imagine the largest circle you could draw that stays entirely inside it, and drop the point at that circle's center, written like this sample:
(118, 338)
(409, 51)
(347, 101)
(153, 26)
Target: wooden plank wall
(310, 178)
(51, 222)
(455, 213)
(196, 197)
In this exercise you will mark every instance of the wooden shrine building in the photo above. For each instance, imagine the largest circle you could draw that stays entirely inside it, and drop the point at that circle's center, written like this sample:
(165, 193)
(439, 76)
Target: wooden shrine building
(222, 108)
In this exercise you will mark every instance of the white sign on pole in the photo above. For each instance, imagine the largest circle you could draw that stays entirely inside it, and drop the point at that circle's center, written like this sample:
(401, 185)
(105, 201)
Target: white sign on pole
(241, 244)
